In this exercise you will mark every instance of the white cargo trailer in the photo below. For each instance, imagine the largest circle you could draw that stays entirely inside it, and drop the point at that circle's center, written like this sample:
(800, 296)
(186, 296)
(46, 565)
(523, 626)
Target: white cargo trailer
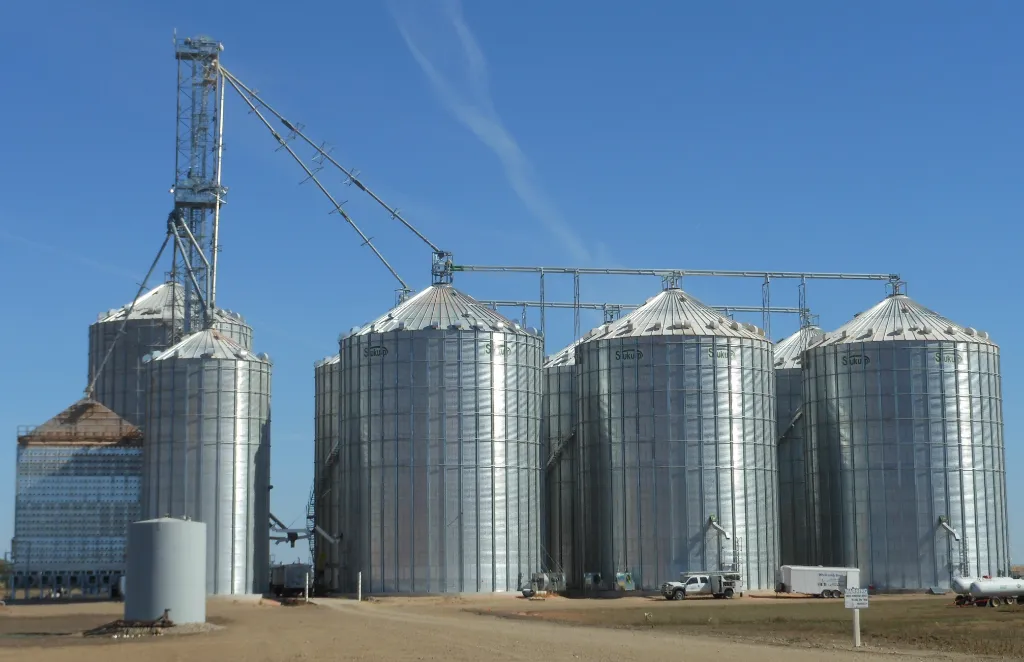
(818, 580)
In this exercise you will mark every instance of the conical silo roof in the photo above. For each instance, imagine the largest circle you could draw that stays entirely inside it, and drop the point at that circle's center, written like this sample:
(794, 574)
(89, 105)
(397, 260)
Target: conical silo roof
(330, 360)
(788, 350)
(442, 307)
(898, 317)
(158, 303)
(673, 312)
(209, 344)
(165, 301)
(565, 356)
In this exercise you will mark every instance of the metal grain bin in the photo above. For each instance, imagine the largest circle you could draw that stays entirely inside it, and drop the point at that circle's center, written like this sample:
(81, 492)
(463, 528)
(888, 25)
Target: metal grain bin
(678, 462)
(794, 548)
(560, 509)
(206, 454)
(327, 488)
(165, 572)
(905, 447)
(440, 411)
(153, 325)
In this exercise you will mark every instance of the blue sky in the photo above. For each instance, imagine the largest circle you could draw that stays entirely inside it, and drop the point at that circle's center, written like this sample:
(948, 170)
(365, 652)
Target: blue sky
(798, 135)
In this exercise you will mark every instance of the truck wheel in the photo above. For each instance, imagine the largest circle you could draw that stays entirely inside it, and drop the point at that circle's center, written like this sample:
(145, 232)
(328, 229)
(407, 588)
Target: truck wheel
(826, 594)
(728, 594)
(678, 594)
(960, 600)
(994, 602)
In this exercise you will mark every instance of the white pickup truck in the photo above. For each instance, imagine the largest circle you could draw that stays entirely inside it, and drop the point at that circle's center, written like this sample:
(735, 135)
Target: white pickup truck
(691, 584)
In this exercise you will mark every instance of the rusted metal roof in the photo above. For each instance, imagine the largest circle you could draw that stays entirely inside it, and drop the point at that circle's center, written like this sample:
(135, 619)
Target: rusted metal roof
(85, 423)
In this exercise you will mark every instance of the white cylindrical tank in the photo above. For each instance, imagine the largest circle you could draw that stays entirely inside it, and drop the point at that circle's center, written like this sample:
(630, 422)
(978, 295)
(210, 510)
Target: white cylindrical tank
(166, 561)
(962, 585)
(1000, 587)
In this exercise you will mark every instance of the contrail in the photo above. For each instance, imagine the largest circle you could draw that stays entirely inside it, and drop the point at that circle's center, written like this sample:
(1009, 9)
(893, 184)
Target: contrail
(474, 107)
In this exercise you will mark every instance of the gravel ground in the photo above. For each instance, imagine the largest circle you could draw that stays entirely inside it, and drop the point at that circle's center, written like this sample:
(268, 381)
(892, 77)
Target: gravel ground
(389, 629)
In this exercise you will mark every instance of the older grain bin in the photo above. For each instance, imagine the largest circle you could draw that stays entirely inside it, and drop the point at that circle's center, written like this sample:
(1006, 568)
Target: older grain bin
(164, 574)
(793, 523)
(206, 454)
(905, 447)
(440, 411)
(560, 508)
(77, 491)
(677, 423)
(326, 484)
(152, 325)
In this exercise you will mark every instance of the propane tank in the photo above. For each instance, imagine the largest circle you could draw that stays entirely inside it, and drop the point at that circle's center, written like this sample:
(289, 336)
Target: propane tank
(962, 585)
(1000, 587)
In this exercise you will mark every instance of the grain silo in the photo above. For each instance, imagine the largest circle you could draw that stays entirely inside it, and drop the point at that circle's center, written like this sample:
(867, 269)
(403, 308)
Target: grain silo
(678, 453)
(206, 454)
(793, 523)
(905, 448)
(164, 575)
(77, 490)
(326, 486)
(560, 501)
(440, 411)
(153, 325)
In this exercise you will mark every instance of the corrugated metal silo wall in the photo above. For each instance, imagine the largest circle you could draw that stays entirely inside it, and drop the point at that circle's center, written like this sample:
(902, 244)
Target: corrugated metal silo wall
(794, 547)
(899, 435)
(440, 453)
(206, 456)
(327, 486)
(121, 385)
(676, 430)
(560, 479)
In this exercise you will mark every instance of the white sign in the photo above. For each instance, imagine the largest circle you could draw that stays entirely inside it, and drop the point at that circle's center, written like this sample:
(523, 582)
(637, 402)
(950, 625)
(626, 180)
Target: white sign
(856, 598)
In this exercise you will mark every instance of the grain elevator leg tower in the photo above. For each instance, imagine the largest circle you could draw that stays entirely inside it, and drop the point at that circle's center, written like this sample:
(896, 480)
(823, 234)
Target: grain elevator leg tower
(198, 193)
(206, 454)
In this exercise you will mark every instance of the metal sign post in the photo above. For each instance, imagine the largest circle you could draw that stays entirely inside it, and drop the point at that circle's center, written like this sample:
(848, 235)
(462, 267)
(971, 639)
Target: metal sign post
(856, 599)
(359, 597)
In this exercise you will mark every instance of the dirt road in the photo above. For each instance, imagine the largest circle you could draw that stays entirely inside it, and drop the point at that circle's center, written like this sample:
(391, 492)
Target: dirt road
(423, 629)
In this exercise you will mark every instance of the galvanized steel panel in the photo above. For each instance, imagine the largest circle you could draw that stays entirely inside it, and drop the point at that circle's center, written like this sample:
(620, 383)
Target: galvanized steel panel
(207, 454)
(676, 428)
(440, 431)
(560, 470)
(327, 485)
(794, 548)
(153, 324)
(900, 433)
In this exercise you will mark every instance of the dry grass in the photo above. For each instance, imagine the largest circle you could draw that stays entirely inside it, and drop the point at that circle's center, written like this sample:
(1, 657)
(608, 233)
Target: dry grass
(924, 623)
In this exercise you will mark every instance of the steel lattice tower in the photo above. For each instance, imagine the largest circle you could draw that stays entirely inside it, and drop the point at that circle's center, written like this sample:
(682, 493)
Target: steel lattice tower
(198, 193)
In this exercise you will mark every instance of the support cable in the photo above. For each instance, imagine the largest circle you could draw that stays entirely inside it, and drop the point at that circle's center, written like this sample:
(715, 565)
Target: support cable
(90, 389)
(311, 175)
(351, 174)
